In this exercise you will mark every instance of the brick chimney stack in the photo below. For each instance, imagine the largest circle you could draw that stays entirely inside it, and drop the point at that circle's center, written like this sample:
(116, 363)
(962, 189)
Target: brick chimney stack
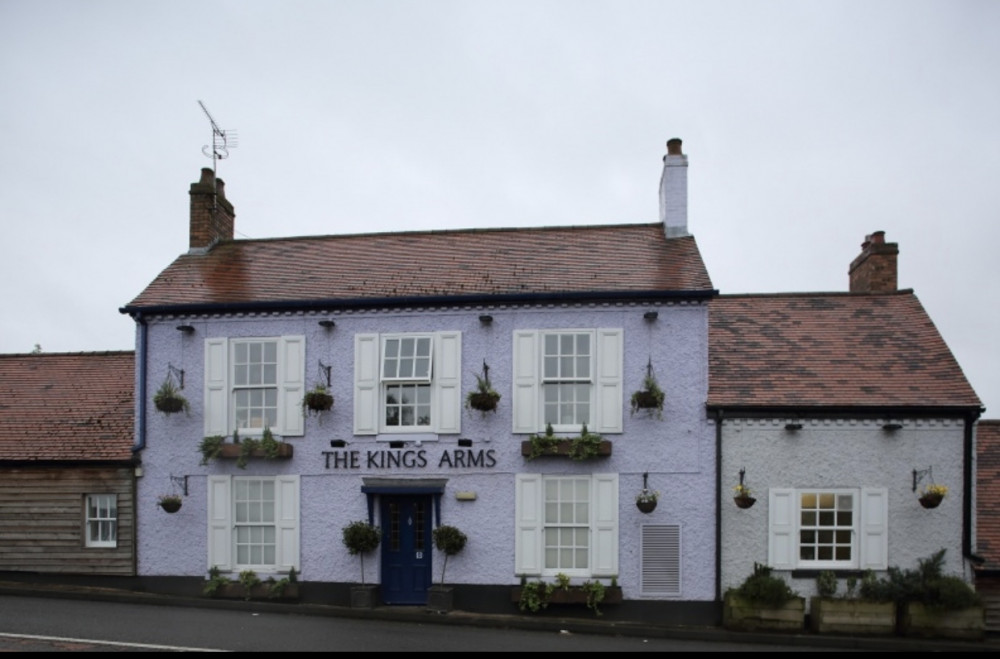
(212, 216)
(874, 270)
(674, 191)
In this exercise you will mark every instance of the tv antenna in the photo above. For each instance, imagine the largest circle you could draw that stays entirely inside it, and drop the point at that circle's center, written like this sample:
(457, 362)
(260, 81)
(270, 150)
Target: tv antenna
(222, 140)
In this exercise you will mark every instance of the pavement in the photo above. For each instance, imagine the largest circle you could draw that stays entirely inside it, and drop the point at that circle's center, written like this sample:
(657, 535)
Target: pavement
(991, 642)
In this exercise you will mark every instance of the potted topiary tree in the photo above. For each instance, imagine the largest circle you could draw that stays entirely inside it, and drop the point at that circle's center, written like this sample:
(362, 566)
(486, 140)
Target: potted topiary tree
(449, 541)
(361, 538)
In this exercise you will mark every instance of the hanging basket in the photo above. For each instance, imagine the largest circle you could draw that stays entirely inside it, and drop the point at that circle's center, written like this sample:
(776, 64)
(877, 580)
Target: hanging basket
(744, 502)
(170, 505)
(646, 505)
(318, 401)
(931, 500)
(484, 401)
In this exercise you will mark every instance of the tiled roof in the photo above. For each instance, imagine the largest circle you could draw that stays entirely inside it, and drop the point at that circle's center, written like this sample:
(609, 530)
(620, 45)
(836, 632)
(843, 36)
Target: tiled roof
(67, 406)
(477, 262)
(988, 492)
(830, 350)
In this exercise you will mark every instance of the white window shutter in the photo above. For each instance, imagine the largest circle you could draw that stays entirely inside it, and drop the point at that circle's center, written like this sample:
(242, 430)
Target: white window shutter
(782, 546)
(526, 386)
(216, 387)
(220, 523)
(287, 521)
(448, 382)
(609, 372)
(528, 524)
(604, 560)
(366, 384)
(874, 549)
(291, 387)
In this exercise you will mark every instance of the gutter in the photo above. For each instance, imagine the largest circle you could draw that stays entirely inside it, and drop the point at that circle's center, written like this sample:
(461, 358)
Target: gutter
(718, 504)
(411, 301)
(141, 355)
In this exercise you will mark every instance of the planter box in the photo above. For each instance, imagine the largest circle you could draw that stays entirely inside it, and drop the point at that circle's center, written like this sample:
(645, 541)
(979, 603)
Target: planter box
(854, 617)
(262, 591)
(574, 595)
(440, 598)
(364, 597)
(918, 620)
(231, 451)
(740, 614)
(563, 448)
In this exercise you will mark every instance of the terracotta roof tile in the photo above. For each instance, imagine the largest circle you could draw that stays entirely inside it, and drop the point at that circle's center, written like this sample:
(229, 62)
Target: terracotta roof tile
(67, 406)
(476, 262)
(830, 349)
(988, 492)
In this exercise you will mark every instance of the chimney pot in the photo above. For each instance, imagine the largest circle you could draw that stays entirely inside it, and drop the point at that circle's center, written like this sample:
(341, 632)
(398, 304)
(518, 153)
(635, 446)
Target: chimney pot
(674, 146)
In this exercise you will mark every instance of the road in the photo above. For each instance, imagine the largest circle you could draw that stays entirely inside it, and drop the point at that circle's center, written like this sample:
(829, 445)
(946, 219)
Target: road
(31, 624)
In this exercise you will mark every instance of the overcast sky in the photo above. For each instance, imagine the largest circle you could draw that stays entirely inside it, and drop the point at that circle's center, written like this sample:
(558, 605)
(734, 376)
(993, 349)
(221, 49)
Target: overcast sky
(807, 125)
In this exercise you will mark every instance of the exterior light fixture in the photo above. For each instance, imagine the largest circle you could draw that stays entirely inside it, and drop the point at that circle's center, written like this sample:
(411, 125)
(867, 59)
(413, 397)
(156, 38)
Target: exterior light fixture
(327, 324)
(651, 315)
(187, 329)
(465, 442)
(486, 319)
(793, 425)
(337, 443)
(892, 425)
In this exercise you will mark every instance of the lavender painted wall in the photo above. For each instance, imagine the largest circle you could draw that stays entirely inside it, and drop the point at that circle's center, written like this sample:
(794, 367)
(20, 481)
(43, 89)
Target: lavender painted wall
(678, 451)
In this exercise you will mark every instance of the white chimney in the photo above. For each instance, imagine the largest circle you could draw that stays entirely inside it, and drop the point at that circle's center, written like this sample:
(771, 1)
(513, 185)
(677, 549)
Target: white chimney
(674, 191)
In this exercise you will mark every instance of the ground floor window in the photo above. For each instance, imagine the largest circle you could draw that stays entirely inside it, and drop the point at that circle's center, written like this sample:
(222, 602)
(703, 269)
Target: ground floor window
(567, 524)
(254, 523)
(828, 528)
(102, 520)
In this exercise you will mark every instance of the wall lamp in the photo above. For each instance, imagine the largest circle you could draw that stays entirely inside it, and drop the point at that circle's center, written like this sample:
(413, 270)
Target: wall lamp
(892, 425)
(465, 442)
(651, 315)
(486, 319)
(794, 425)
(327, 324)
(187, 329)
(337, 443)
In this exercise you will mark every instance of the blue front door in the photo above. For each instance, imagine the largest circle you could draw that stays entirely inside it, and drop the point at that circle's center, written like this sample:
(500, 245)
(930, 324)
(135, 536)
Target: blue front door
(406, 548)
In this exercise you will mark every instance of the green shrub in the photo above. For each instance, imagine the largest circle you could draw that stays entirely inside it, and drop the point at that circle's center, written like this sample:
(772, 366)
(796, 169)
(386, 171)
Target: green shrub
(826, 583)
(762, 588)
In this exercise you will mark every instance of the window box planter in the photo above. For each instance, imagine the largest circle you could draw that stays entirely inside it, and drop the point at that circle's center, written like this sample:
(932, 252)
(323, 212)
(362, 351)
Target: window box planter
(573, 595)
(922, 621)
(741, 614)
(851, 616)
(230, 451)
(564, 448)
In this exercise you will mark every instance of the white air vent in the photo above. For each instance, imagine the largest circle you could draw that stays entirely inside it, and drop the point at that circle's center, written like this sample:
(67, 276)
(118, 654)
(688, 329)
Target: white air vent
(660, 561)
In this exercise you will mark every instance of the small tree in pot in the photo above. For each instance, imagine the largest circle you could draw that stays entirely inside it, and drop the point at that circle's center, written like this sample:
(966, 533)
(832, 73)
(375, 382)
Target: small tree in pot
(361, 538)
(449, 541)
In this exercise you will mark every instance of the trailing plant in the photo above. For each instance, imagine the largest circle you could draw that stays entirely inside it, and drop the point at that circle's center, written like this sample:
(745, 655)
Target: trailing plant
(826, 583)
(269, 445)
(650, 397)
(595, 595)
(584, 446)
(248, 579)
(763, 588)
(277, 587)
(926, 584)
(360, 538)
(247, 446)
(215, 581)
(535, 595)
(211, 448)
(562, 581)
(484, 397)
(168, 398)
(450, 541)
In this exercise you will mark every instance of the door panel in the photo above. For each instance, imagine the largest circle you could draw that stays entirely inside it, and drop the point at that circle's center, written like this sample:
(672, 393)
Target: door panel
(406, 548)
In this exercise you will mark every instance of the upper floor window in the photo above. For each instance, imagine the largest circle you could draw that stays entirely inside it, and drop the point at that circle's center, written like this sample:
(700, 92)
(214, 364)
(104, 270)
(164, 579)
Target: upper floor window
(825, 528)
(568, 378)
(254, 383)
(102, 520)
(407, 383)
(566, 524)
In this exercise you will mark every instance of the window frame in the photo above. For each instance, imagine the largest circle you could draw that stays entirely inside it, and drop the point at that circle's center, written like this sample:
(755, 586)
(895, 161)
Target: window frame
(442, 379)
(605, 380)
(101, 501)
(221, 389)
(223, 528)
(869, 533)
(531, 525)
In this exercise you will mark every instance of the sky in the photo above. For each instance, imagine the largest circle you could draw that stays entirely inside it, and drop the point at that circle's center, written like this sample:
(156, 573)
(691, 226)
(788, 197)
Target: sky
(807, 125)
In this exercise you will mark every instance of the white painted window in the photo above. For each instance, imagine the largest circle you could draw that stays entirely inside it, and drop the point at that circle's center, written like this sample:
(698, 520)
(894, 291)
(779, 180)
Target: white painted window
(407, 383)
(827, 528)
(566, 524)
(102, 520)
(253, 523)
(568, 379)
(254, 383)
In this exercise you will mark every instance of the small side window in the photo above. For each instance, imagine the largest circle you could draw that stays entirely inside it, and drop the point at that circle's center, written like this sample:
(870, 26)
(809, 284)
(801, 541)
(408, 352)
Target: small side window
(102, 520)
